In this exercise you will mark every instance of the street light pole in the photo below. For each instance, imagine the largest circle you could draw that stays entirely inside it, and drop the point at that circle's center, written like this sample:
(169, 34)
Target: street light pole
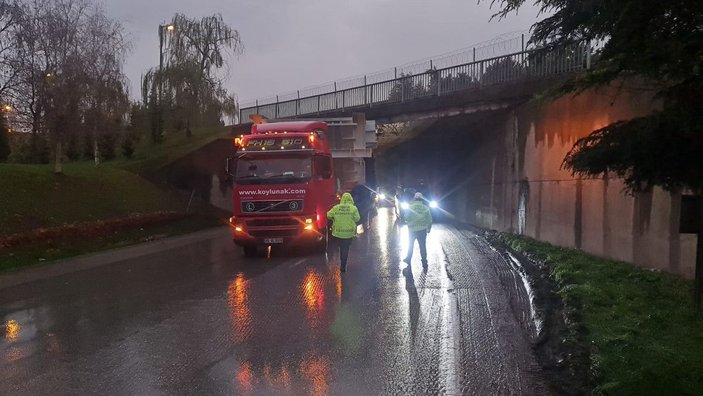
(7, 109)
(159, 92)
(161, 60)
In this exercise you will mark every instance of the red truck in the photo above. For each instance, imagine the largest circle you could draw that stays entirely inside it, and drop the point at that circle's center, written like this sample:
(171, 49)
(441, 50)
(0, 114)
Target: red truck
(284, 184)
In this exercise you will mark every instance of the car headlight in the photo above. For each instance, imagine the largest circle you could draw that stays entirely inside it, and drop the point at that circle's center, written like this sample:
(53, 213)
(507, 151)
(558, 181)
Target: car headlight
(434, 204)
(404, 205)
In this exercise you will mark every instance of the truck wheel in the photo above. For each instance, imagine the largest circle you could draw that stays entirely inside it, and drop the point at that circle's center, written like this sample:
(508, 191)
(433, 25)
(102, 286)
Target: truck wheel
(249, 251)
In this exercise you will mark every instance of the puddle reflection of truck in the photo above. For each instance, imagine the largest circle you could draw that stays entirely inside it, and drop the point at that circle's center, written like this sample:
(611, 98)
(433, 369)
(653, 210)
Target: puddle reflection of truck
(284, 184)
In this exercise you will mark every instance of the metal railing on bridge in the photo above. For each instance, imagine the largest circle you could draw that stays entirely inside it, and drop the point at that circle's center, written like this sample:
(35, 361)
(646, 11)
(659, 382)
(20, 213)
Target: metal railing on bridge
(403, 87)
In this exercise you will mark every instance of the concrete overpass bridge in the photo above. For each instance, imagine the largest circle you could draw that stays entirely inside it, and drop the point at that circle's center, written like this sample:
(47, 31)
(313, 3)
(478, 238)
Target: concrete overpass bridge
(434, 89)
(497, 155)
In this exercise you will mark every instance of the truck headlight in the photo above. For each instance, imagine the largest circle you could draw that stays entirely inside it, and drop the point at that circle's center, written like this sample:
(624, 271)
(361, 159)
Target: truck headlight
(434, 204)
(238, 225)
(404, 205)
(309, 225)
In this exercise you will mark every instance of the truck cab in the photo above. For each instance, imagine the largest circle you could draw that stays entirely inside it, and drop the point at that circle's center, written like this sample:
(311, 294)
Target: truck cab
(284, 185)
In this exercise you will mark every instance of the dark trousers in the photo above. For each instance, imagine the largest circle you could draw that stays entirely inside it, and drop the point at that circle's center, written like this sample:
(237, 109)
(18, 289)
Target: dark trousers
(421, 237)
(344, 244)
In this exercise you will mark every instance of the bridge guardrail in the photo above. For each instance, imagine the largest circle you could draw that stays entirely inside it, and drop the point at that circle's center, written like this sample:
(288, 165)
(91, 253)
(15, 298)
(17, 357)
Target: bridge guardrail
(529, 64)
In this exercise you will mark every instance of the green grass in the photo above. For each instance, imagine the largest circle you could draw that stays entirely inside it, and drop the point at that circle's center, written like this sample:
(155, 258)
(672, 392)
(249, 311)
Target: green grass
(639, 326)
(33, 196)
(149, 157)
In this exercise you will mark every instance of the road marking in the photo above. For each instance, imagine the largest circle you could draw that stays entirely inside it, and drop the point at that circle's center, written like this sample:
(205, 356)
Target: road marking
(297, 263)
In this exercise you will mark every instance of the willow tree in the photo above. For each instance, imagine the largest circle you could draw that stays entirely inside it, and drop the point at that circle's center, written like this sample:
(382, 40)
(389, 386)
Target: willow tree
(191, 82)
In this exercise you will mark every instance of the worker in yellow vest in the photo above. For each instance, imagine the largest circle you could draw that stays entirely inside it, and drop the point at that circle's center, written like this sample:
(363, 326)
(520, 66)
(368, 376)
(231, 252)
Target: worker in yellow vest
(419, 221)
(345, 217)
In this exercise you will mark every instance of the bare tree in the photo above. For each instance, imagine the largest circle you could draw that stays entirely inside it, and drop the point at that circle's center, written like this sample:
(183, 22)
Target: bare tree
(10, 14)
(104, 51)
(69, 60)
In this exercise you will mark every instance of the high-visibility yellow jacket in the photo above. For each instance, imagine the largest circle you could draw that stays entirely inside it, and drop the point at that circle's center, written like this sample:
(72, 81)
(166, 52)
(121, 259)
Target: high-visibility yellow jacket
(418, 217)
(344, 217)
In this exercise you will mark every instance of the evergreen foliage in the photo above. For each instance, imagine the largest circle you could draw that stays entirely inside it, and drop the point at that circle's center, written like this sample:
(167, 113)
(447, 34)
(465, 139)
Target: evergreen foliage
(658, 41)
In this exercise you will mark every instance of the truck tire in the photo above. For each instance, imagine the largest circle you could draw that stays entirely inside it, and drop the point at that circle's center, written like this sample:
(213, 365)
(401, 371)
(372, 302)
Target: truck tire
(249, 251)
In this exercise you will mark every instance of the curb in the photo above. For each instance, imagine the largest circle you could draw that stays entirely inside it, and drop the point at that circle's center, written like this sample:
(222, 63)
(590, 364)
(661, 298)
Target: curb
(93, 260)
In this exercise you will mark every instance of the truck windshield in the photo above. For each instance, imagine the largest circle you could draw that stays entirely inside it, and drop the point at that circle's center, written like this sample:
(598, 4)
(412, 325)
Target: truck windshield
(273, 170)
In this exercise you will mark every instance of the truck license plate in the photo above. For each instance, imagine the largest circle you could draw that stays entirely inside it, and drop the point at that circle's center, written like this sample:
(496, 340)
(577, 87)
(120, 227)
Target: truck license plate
(273, 240)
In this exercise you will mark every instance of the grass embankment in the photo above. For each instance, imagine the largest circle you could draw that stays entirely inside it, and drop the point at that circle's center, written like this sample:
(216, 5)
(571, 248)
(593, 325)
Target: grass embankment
(149, 157)
(33, 197)
(639, 326)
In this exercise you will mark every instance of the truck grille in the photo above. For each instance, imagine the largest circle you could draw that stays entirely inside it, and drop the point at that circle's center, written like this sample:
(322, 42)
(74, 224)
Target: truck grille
(272, 206)
(273, 233)
(272, 222)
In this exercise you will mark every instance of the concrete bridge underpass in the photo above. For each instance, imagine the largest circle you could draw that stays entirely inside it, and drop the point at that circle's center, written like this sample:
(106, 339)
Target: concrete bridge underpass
(480, 85)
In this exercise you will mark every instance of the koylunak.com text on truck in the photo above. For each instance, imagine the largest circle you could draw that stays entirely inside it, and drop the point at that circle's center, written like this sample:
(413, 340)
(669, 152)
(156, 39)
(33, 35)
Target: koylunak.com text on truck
(284, 184)
(288, 174)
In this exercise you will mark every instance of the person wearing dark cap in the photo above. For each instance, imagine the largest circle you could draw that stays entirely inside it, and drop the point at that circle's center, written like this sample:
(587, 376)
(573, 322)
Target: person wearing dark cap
(419, 221)
(363, 202)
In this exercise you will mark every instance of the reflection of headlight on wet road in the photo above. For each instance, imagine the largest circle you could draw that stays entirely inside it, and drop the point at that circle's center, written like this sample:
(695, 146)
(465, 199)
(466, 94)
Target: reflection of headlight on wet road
(433, 204)
(404, 241)
(382, 225)
(404, 205)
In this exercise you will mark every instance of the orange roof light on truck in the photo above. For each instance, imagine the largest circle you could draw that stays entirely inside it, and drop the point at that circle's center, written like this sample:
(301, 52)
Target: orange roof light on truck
(291, 135)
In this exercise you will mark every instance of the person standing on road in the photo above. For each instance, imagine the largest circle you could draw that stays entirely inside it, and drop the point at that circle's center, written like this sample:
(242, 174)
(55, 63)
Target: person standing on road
(362, 200)
(419, 221)
(345, 217)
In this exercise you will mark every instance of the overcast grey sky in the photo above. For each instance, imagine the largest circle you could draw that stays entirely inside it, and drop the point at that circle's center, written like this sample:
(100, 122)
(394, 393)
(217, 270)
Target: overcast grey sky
(294, 44)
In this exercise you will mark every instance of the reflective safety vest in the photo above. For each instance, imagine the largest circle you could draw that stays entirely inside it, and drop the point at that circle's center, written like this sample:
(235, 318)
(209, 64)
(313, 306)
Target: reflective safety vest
(418, 217)
(344, 217)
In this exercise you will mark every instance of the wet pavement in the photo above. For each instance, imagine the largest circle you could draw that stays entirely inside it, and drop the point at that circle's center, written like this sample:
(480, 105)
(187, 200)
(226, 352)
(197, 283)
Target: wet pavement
(202, 319)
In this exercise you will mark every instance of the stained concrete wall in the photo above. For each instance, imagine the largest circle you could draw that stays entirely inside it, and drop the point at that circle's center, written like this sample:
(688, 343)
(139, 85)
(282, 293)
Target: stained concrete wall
(202, 174)
(501, 169)
(540, 199)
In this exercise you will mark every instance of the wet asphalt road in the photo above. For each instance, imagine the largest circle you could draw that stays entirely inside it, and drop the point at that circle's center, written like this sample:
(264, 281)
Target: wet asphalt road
(201, 319)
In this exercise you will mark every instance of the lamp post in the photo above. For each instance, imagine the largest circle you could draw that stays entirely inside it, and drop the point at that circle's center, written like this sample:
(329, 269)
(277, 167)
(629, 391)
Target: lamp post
(7, 109)
(168, 27)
